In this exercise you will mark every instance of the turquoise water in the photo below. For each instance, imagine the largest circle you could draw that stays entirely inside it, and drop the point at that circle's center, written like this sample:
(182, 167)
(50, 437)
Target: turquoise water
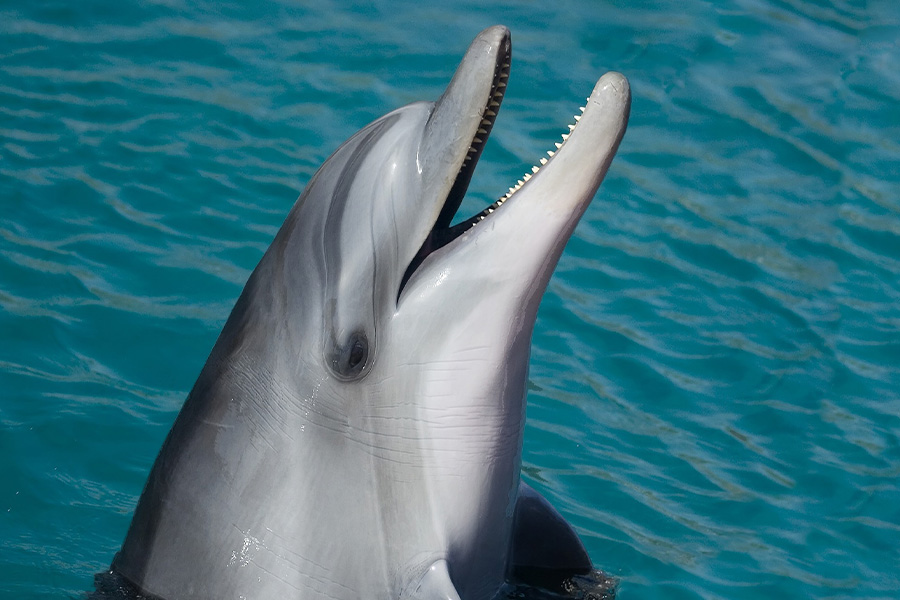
(715, 383)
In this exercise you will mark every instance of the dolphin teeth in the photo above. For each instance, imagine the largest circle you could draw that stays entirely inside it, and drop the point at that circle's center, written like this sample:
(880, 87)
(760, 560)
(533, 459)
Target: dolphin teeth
(487, 123)
(527, 176)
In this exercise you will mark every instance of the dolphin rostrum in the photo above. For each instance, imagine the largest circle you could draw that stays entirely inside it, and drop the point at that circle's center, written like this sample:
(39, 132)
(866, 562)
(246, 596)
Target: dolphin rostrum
(356, 432)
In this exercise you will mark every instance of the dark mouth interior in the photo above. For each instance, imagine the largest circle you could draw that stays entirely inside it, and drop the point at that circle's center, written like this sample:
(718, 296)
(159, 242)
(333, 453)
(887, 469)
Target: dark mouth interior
(442, 233)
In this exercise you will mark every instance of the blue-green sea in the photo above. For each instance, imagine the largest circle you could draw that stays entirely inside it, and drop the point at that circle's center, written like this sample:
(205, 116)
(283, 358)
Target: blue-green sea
(714, 397)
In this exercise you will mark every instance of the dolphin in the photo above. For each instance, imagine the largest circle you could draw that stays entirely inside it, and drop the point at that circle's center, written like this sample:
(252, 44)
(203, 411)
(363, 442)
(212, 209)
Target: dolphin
(356, 431)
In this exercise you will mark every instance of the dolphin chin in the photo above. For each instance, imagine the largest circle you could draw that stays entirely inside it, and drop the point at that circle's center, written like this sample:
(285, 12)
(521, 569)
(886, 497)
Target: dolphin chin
(356, 431)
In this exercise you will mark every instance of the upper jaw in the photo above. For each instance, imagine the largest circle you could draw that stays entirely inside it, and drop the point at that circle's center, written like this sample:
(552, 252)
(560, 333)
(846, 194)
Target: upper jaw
(464, 109)
(456, 132)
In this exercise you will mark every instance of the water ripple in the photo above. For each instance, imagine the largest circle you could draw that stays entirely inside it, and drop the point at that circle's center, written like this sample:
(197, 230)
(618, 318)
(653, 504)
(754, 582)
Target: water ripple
(713, 397)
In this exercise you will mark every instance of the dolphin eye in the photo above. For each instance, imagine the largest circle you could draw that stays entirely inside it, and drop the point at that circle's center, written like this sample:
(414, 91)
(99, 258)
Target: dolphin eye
(349, 360)
(358, 353)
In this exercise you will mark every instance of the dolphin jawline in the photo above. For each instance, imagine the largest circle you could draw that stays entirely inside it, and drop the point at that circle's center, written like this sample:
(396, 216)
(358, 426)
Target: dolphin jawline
(442, 233)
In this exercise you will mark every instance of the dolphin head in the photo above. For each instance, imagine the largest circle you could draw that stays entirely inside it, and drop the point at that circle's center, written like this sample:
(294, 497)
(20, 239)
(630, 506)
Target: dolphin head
(367, 257)
(377, 206)
(369, 384)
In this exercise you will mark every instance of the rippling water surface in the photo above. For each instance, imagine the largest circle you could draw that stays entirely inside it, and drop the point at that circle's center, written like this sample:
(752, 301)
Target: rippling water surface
(715, 384)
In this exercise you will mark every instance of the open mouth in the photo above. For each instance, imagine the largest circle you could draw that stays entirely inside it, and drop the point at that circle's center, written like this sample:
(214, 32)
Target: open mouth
(443, 233)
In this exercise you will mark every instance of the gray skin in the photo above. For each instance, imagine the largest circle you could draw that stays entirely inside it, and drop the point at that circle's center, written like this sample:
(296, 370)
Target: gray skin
(356, 434)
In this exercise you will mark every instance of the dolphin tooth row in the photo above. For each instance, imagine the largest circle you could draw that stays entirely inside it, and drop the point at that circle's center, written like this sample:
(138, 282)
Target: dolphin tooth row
(527, 176)
(543, 161)
(487, 119)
